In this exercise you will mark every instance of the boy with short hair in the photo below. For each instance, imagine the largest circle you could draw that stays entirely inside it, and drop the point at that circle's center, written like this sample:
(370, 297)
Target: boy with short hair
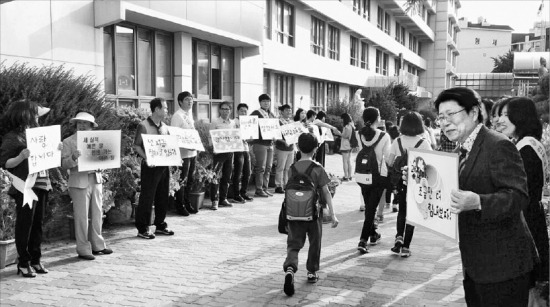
(297, 230)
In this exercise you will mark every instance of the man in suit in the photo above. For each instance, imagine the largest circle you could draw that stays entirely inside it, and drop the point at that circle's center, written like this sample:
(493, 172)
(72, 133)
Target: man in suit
(496, 247)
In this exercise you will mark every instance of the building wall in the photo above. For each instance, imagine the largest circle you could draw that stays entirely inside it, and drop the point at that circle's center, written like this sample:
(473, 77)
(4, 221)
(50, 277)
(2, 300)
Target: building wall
(476, 57)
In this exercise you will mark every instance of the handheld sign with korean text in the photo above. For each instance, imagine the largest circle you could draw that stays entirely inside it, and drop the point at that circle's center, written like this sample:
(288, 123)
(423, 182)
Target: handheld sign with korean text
(226, 140)
(187, 138)
(43, 143)
(161, 150)
(270, 128)
(292, 131)
(99, 149)
(432, 176)
(249, 127)
(327, 135)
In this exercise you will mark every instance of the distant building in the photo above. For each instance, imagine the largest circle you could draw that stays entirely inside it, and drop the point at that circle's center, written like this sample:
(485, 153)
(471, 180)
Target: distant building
(479, 43)
(536, 40)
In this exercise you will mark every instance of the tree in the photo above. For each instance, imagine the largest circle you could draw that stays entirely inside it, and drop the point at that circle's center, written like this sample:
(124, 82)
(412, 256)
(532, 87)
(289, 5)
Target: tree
(504, 63)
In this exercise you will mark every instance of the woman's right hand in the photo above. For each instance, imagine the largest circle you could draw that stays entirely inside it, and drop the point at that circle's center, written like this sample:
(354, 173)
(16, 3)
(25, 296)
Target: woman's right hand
(24, 154)
(76, 154)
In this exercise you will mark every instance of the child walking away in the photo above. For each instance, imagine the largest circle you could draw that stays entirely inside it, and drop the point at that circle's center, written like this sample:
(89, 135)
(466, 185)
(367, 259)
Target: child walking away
(307, 179)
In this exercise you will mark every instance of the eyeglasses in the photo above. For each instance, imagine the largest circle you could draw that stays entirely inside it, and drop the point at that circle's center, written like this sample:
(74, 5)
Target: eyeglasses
(225, 109)
(447, 117)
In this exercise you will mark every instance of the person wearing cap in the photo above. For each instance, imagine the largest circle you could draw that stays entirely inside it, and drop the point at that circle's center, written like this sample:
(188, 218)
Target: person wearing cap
(155, 180)
(183, 118)
(263, 150)
(14, 154)
(283, 151)
(86, 191)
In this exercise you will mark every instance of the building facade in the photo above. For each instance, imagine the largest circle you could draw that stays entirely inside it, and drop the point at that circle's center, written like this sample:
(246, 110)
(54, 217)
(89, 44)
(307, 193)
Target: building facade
(479, 43)
(304, 53)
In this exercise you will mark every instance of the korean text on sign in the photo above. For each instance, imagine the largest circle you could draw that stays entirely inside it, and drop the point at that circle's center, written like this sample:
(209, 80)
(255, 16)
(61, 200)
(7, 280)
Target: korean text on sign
(249, 127)
(43, 143)
(292, 131)
(161, 150)
(270, 128)
(187, 138)
(226, 140)
(99, 149)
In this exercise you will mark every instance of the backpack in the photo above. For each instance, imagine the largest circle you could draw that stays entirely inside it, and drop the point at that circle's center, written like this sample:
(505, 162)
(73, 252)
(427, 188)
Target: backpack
(366, 164)
(399, 163)
(353, 142)
(301, 196)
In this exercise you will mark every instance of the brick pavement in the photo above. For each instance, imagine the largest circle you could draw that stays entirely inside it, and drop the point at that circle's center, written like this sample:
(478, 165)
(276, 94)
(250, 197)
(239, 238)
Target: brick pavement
(234, 256)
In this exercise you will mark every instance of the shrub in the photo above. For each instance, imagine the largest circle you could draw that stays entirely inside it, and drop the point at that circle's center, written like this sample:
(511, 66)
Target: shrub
(7, 208)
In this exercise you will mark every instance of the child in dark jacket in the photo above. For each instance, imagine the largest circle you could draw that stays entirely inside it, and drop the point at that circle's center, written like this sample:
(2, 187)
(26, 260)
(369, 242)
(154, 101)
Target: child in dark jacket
(297, 230)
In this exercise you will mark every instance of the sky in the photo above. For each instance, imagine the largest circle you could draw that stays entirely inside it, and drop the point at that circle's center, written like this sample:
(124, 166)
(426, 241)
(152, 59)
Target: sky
(518, 14)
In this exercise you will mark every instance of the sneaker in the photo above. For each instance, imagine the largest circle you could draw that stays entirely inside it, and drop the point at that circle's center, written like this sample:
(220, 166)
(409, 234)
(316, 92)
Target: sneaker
(105, 251)
(268, 193)
(398, 244)
(362, 247)
(183, 211)
(146, 235)
(225, 203)
(261, 193)
(246, 197)
(289, 282)
(345, 179)
(165, 231)
(405, 252)
(279, 190)
(394, 208)
(312, 277)
(375, 239)
(214, 205)
(238, 199)
(362, 208)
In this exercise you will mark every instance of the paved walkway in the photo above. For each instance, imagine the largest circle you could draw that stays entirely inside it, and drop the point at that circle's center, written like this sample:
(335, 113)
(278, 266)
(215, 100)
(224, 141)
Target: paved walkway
(234, 256)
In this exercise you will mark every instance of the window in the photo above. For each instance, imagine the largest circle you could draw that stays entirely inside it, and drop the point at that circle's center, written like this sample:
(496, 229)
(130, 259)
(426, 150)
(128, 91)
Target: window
(397, 66)
(212, 77)
(399, 33)
(333, 43)
(138, 65)
(284, 90)
(364, 55)
(332, 92)
(362, 8)
(283, 22)
(412, 43)
(354, 51)
(387, 24)
(317, 36)
(380, 18)
(267, 19)
(382, 60)
(317, 95)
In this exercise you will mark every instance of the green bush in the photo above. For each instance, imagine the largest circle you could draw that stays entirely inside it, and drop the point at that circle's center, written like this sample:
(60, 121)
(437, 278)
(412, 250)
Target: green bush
(7, 208)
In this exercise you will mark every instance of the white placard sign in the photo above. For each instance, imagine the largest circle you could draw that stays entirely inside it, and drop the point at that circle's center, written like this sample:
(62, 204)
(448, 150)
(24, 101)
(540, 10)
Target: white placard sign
(270, 128)
(226, 140)
(291, 132)
(43, 143)
(249, 127)
(187, 138)
(98, 149)
(327, 135)
(161, 150)
(432, 176)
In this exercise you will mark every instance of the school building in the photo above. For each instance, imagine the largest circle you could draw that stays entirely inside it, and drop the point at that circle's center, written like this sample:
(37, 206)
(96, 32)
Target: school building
(304, 53)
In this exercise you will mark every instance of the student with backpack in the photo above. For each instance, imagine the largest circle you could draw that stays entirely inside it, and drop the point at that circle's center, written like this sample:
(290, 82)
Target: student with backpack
(411, 129)
(370, 167)
(307, 179)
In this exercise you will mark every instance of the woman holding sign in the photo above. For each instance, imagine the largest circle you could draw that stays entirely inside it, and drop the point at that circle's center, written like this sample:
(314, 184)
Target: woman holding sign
(519, 121)
(14, 155)
(86, 190)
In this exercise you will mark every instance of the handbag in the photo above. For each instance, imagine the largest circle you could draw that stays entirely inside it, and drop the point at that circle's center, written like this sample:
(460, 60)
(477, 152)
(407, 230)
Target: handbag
(283, 223)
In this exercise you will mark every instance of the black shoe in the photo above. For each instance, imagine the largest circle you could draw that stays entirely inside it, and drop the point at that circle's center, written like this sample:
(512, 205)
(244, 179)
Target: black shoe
(39, 268)
(86, 257)
(246, 197)
(190, 209)
(394, 208)
(289, 282)
(183, 211)
(279, 190)
(225, 203)
(398, 244)
(268, 193)
(239, 199)
(146, 235)
(165, 231)
(375, 239)
(261, 193)
(105, 251)
(362, 247)
(26, 270)
(312, 277)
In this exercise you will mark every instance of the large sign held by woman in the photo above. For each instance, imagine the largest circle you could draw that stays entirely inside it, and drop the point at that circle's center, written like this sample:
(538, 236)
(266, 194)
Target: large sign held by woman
(226, 140)
(43, 143)
(161, 150)
(432, 176)
(99, 149)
